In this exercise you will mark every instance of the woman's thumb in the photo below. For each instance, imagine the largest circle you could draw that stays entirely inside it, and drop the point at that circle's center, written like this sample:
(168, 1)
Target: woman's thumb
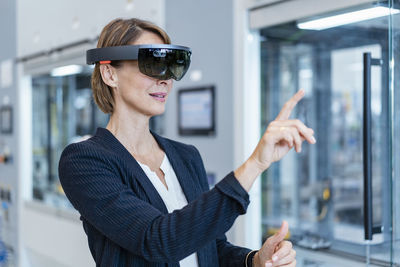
(280, 235)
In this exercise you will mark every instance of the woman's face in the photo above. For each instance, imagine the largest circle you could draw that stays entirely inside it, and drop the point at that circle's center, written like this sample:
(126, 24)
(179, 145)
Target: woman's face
(138, 92)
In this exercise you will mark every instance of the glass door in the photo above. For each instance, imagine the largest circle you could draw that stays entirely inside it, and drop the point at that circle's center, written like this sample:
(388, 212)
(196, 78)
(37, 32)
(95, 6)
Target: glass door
(324, 192)
(394, 85)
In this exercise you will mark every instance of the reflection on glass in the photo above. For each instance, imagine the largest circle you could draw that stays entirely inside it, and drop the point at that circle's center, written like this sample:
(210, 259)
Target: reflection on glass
(394, 81)
(320, 190)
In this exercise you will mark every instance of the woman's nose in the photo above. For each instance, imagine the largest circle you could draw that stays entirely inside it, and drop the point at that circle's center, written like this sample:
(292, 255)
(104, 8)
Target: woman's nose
(165, 82)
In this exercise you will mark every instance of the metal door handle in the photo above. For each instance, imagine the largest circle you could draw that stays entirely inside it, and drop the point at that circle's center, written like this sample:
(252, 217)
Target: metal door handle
(369, 229)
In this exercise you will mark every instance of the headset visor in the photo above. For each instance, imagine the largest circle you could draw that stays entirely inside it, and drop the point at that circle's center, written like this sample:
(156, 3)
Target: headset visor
(159, 61)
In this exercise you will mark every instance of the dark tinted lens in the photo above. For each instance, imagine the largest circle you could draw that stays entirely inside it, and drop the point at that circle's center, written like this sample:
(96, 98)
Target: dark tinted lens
(153, 66)
(163, 63)
(178, 63)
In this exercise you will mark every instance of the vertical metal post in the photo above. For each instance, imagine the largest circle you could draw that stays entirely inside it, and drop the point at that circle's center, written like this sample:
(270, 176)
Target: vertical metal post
(369, 229)
(367, 148)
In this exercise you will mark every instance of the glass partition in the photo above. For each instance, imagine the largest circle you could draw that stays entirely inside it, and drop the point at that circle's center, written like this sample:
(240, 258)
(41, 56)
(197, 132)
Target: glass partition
(320, 190)
(63, 112)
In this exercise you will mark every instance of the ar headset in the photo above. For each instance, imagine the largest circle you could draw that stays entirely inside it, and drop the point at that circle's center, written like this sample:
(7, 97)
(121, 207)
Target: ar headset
(160, 61)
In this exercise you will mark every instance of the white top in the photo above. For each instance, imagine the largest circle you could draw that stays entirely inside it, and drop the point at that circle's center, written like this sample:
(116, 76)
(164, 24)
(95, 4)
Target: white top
(173, 197)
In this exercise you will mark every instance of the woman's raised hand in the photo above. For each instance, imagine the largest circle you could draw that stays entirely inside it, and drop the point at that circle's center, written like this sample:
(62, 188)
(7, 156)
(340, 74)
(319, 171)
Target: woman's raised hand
(281, 135)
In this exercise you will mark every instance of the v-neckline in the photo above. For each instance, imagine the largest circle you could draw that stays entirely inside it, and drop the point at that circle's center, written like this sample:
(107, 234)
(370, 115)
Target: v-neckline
(160, 167)
(167, 185)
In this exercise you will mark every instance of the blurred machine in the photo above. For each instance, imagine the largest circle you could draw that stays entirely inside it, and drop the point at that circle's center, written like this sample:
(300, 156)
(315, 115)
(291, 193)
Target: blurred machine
(8, 209)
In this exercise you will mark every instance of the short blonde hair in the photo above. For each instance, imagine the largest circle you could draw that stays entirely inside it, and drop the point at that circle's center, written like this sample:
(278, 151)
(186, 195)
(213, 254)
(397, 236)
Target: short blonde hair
(116, 33)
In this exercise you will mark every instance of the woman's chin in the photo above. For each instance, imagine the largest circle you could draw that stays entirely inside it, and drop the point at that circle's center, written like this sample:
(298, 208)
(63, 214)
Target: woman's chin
(157, 112)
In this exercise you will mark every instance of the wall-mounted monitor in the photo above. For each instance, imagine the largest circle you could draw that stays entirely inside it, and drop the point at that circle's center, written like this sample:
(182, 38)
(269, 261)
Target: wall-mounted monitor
(196, 111)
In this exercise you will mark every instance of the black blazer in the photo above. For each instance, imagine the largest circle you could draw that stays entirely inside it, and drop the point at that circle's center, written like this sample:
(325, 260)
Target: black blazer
(125, 219)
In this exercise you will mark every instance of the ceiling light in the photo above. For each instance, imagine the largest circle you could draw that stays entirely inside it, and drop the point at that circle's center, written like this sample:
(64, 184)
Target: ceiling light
(346, 18)
(66, 70)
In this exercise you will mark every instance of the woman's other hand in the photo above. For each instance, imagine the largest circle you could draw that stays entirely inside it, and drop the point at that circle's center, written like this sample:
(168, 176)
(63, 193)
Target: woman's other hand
(276, 251)
(282, 135)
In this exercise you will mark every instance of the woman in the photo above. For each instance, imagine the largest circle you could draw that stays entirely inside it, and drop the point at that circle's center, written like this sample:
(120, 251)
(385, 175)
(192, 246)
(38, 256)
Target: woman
(144, 199)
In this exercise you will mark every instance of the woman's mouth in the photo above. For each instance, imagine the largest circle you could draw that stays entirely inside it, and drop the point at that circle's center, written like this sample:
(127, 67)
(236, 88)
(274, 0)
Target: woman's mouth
(159, 96)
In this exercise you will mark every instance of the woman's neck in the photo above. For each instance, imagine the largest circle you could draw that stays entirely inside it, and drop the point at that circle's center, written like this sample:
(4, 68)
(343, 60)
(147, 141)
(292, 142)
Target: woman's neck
(132, 130)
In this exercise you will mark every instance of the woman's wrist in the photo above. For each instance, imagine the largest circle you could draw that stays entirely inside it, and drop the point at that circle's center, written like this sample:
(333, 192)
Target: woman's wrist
(256, 260)
(250, 258)
(257, 164)
(247, 173)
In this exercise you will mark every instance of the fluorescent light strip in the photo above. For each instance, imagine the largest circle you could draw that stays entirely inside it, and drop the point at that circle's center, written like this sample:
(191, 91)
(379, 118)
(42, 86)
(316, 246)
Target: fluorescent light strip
(346, 18)
(66, 70)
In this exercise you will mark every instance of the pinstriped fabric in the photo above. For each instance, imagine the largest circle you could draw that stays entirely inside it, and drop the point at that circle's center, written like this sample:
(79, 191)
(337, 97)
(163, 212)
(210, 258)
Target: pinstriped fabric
(125, 219)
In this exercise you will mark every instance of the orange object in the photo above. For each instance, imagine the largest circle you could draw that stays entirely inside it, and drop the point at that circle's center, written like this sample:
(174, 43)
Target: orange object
(105, 62)
(272, 230)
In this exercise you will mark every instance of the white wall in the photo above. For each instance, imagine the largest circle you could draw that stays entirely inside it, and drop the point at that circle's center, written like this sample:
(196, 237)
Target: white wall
(46, 24)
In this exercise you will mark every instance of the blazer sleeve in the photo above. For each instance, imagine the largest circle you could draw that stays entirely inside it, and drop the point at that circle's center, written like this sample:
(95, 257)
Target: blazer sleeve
(96, 190)
(228, 254)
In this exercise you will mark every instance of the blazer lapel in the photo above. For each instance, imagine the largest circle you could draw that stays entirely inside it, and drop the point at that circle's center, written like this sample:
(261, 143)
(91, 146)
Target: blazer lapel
(182, 167)
(148, 187)
(134, 168)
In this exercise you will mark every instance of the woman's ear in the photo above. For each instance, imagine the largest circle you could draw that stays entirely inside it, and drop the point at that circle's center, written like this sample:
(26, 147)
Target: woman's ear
(109, 75)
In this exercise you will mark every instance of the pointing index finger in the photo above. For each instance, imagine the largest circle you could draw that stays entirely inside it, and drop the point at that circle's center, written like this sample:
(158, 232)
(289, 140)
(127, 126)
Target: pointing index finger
(289, 105)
